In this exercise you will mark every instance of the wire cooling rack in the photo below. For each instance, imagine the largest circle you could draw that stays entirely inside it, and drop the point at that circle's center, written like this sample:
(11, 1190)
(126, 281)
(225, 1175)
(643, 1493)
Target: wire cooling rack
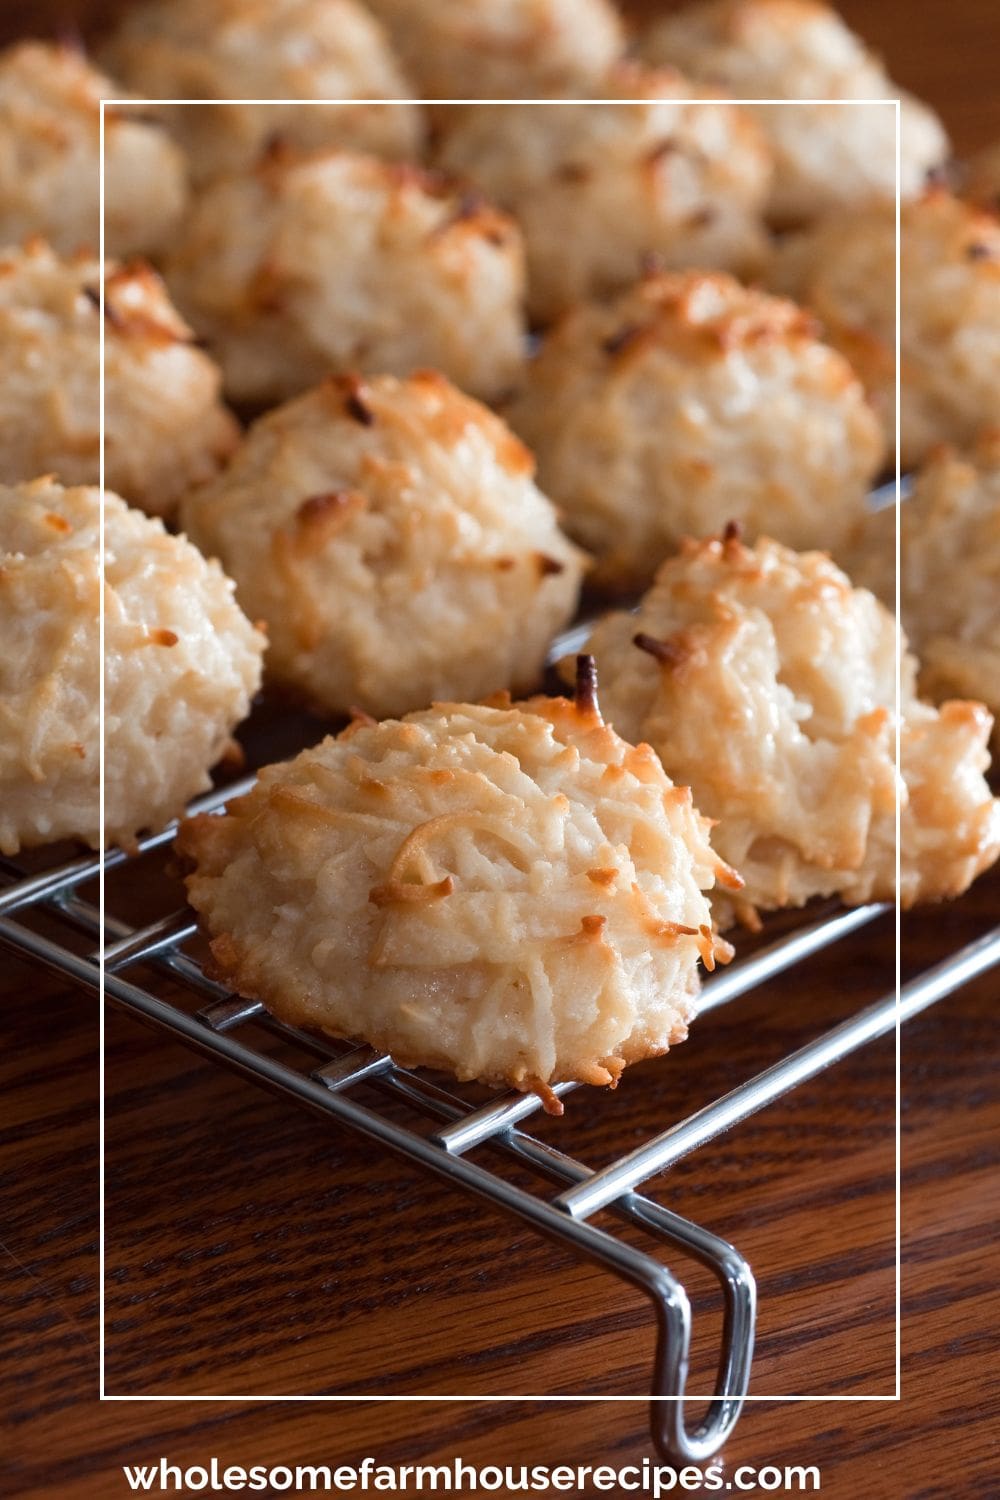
(322, 1074)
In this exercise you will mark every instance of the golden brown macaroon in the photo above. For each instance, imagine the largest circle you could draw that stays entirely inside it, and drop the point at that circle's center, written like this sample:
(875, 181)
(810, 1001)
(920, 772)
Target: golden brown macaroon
(391, 535)
(602, 188)
(689, 401)
(181, 665)
(837, 151)
(502, 49)
(845, 271)
(507, 891)
(768, 683)
(333, 261)
(950, 571)
(245, 50)
(50, 157)
(165, 426)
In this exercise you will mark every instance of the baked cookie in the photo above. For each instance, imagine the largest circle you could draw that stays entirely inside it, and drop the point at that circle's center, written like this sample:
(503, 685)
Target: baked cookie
(950, 571)
(845, 271)
(687, 402)
(165, 425)
(391, 535)
(507, 891)
(50, 156)
(829, 155)
(502, 49)
(334, 261)
(766, 681)
(602, 188)
(181, 665)
(261, 50)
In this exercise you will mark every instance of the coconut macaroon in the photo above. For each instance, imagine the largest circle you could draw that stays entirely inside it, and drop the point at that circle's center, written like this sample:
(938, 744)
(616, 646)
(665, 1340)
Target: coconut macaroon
(687, 402)
(830, 155)
(507, 891)
(950, 571)
(181, 664)
(50, 156)
(165, 426)
(766, 681)
(335, 261)
(502, 49)
(390, 534)
(845, 271)
(601, 188)
(261, 50)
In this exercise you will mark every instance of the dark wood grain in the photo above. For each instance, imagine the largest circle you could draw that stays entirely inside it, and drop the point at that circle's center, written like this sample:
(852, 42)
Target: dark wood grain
(249, 1249)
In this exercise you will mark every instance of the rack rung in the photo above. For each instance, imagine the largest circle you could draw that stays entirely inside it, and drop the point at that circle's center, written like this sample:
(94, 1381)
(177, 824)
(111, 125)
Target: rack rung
(224, 1015)
(145, 943)
(480, 1124)
(704, 1125)
(352, 1068)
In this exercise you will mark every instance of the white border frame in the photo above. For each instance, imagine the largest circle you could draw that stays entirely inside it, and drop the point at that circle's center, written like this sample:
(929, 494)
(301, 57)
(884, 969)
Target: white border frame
(103, 1394)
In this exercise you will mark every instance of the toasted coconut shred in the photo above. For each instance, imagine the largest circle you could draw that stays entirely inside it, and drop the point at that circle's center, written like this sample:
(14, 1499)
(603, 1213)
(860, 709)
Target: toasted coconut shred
(425, 884)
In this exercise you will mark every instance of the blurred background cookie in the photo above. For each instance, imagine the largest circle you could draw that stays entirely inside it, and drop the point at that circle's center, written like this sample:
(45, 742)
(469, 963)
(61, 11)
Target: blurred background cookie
(949, 571)
(165, 425)
(601, 189)
(180, 667)
(259, 50)
(828, 155)
(502, 49)
(50, 154)
(845, 271)
(333, 261)
(687, 402)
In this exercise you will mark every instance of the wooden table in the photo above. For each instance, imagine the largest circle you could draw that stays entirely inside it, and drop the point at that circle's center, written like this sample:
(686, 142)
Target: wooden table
(250, 1249)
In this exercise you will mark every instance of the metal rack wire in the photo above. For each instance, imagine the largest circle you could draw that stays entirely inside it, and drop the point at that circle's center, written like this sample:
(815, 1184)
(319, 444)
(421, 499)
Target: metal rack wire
(323, 1073)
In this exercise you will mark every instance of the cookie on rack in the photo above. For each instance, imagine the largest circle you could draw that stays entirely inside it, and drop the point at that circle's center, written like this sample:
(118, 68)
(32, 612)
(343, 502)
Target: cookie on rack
(181, 665)
(502, 49)
(506, 891)
(601, 188)
(331, 261)
(950, 571)
(835, 152)
(845, 271)
(768, 683)
(252, 51)
(391, 535)
(166, 428)
(689, 401)
(50, 158)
